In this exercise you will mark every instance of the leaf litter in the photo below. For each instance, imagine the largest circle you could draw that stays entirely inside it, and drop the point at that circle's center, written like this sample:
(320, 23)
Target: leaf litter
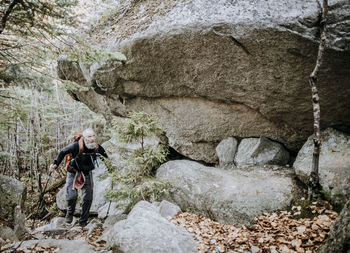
(281, 231)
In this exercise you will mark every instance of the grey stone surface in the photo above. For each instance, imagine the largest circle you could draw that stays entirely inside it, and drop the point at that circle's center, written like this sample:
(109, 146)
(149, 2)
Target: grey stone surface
(214, 69)
(334, 164)
(226, 151)
(115, 214)
(168, 209)
(12, 197)
(339, 236)
(230, 197)
(76, 246)
(146, 231)
(8, 233)
(93, 224)
(260, 151)
(113, 219)
(57, 224)
(108, 209)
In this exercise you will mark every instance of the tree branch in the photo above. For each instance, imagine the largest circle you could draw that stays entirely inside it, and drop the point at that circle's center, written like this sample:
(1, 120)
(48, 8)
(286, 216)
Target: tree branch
(7, 14)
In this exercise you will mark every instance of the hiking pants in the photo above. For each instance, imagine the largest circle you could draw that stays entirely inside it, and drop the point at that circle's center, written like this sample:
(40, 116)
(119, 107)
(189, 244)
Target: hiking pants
(72, 195)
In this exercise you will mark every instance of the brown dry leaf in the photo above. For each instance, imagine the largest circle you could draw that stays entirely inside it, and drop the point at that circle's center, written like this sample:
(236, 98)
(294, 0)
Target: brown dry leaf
(284, 249)
(271, 232)
(300, 250)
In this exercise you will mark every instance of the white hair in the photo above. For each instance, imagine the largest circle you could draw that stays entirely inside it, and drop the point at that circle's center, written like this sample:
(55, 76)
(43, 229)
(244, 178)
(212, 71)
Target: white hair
(88, 131)
(89, 138)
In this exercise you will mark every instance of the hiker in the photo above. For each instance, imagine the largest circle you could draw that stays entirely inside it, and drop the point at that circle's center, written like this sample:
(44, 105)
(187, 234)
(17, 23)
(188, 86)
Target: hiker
(79, 174)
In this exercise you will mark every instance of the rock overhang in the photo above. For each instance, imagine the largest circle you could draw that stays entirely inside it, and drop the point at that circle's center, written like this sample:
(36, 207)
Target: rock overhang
(199, 67)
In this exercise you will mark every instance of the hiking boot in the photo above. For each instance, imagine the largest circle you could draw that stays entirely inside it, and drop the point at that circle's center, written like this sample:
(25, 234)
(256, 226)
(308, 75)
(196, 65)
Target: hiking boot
(83, 225)
(69, 218)
(70, 210)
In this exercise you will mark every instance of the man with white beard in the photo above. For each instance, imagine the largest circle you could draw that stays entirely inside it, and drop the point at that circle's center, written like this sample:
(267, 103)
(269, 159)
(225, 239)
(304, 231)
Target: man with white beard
(84, 160)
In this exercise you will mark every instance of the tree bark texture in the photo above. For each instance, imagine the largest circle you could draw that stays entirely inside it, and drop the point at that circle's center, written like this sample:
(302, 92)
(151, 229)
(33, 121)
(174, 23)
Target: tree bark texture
(313, 184)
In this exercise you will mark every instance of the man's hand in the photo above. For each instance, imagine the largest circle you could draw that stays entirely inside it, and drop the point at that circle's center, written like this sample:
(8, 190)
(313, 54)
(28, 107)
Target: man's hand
(52, 167)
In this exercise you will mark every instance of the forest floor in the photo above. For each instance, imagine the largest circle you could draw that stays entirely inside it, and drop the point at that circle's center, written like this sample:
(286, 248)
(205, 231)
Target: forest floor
(301, 230)
(281, 231)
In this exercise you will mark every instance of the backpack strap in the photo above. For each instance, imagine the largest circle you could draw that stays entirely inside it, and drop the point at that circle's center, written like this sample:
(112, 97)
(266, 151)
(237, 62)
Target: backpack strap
(95, 150)
(81, 147)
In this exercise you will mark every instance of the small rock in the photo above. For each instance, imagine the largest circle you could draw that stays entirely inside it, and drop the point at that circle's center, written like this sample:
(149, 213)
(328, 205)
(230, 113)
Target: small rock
(254, 249)
(168, 209)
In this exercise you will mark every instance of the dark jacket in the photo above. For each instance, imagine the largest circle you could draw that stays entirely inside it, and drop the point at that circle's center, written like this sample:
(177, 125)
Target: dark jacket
(85, 162)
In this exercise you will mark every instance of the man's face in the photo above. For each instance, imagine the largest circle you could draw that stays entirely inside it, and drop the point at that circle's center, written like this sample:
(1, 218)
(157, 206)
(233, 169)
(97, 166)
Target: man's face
(90, 137)
(90, 140)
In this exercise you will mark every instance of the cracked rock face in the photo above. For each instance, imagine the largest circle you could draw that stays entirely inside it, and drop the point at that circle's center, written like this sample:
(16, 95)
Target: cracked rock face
(215, 69)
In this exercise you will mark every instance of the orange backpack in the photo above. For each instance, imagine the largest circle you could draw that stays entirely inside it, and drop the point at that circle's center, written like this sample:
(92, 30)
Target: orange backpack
(69, 157)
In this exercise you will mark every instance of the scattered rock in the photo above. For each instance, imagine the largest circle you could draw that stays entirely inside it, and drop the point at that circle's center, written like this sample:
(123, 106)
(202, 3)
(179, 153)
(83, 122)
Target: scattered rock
(226, 151)
(260, 151)
(334, 164)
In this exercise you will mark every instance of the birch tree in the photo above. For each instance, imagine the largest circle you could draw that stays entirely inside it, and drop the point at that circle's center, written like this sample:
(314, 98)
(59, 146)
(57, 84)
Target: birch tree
(314, 184)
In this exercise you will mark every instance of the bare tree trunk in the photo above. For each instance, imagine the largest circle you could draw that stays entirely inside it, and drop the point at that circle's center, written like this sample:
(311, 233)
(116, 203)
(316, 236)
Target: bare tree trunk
(11, 151)
(7, 14)
(30, 152)
(16, 142)
(314, 184)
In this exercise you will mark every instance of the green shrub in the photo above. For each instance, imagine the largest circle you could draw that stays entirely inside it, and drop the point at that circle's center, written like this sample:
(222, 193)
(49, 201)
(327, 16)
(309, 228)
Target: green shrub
(136, 182)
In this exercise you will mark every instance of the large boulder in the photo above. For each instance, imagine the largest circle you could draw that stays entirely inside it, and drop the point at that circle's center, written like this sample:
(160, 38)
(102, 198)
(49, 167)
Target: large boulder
(339, 236)
(214, 69)
(334, 164)
(260, 151)
(146, 231)
(233, 197)
(226, 151)
(12, 197)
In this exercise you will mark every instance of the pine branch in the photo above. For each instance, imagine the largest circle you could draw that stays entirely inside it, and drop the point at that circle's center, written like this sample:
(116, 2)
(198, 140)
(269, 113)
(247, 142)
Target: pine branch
(7, 14)
(30, 67)
(3, 96)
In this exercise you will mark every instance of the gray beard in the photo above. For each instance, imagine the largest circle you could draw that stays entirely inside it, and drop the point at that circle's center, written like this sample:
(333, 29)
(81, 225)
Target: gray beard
(91, 145)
